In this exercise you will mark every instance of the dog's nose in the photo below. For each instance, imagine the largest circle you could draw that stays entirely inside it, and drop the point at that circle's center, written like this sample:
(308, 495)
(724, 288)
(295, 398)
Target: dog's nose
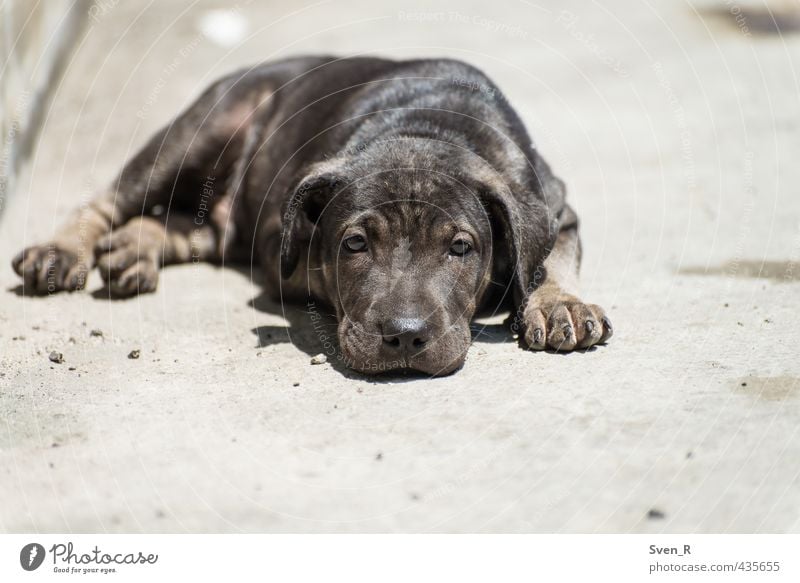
(405, 334)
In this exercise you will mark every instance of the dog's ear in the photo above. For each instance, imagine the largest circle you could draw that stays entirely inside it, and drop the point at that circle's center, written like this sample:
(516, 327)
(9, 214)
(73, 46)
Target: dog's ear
(526, 219)
(302, 211)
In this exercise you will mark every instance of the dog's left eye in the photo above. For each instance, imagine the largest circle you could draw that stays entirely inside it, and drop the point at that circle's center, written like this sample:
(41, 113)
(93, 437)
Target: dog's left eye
(460, 247)
(355, 244)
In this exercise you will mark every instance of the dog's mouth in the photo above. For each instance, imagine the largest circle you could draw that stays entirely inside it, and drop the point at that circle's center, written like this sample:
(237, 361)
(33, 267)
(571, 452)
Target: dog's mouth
(370, 352)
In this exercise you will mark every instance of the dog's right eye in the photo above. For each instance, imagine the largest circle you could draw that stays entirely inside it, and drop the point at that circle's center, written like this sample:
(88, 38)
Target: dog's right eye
(355, 244)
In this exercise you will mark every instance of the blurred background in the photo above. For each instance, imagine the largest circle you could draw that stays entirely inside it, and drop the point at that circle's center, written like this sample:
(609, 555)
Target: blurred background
(675, 127)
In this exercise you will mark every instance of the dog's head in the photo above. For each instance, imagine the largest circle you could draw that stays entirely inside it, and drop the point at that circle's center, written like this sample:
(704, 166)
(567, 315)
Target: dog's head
(410, 238)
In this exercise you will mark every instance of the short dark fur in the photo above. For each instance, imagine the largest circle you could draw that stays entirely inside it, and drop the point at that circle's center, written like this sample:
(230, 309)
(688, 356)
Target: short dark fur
(307, 152)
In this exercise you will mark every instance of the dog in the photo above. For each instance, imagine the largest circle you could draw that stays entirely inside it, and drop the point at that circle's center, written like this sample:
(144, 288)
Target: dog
(405, 195)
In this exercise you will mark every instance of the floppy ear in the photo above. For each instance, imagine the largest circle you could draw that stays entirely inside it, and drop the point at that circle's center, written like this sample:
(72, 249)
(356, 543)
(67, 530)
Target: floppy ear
(300, 213)
(528, 218)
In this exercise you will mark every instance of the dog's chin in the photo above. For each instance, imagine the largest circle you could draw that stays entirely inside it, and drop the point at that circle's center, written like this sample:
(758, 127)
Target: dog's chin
(378, 366)
(366, 353)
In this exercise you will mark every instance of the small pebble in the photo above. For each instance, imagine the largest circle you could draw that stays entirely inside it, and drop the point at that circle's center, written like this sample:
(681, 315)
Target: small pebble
(655, 514)
(319, 359)
(134, 354)
(56, 357)
(295, 384)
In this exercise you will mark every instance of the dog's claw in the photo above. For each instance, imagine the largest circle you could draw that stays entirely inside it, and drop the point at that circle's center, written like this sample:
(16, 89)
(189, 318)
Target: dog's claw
(608, 329)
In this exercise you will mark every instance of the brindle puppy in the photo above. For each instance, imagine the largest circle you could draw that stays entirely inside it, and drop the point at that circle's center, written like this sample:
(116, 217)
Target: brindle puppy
(406, 195)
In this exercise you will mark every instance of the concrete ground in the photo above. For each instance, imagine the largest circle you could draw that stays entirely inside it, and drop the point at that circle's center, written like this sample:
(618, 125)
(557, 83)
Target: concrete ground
(675, 127)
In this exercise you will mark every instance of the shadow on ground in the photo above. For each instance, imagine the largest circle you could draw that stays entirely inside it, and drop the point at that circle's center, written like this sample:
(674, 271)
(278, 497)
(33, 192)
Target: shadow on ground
(777, 271)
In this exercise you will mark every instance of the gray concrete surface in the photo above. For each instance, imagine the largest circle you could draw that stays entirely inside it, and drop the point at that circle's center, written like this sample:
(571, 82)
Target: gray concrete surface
(675, 127)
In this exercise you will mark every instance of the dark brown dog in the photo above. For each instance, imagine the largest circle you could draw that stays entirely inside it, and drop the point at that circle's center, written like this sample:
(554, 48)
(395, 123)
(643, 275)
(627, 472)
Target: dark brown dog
(405, 195)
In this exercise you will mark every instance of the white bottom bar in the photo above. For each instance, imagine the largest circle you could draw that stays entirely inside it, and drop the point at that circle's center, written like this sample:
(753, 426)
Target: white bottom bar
(400, 558)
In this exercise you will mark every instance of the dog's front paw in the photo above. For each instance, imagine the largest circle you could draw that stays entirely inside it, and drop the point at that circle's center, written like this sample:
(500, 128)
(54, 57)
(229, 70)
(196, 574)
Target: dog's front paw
(51, 267)
(564, 323)
(127, 264)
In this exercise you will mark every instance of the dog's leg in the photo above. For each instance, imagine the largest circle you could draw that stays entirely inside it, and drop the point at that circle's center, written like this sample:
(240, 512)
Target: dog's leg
(129, 257)
(554, 317)
(205, 139)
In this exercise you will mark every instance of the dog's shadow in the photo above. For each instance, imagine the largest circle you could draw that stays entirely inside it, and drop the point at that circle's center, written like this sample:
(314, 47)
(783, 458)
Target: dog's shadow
(101, 293)
(309, 328)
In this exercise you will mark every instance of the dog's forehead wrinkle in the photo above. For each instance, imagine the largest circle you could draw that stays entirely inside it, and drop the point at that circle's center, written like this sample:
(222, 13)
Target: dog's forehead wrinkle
(412, 215)
(395, 219)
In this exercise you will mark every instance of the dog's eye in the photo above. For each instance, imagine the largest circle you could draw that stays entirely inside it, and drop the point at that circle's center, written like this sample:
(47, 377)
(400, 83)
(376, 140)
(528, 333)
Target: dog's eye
(355, 244)
(460, 247)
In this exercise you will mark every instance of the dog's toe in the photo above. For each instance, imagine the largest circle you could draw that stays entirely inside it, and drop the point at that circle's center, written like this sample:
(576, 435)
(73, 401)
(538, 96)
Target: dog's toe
(561, 331)
(139, 278)
(112, 265)
(128, 260)
(536, 330)
(50, 268)
(588, 328)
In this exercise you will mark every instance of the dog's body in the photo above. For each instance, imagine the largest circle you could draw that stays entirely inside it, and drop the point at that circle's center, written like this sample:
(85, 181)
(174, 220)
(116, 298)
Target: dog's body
(406, 195)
